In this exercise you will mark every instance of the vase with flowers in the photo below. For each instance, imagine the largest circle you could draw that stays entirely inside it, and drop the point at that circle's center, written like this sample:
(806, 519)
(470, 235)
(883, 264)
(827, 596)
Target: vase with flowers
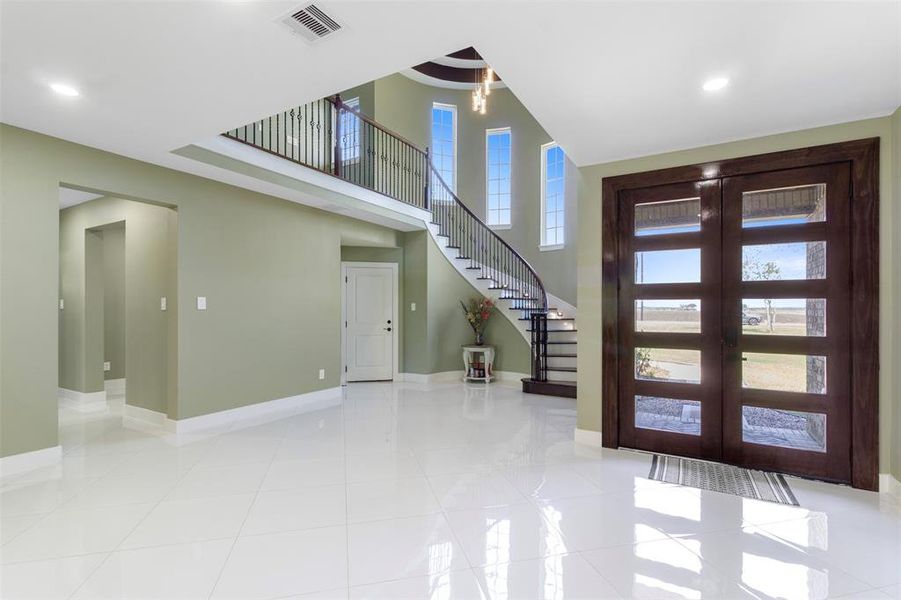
(477, 312)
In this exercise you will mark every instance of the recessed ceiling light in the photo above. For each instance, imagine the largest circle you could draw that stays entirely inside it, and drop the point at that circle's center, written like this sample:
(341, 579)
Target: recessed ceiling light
(64, 90)
(715, 84)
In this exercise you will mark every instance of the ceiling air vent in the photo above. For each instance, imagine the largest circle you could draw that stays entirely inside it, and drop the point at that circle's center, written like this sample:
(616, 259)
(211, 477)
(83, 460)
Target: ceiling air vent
(311, 23)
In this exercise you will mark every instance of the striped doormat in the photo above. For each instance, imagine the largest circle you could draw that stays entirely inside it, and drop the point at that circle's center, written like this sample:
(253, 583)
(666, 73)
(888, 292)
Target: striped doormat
(727, 479)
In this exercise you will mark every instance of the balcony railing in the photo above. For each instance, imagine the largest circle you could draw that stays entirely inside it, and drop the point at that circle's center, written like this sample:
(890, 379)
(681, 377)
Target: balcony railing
(336, 139)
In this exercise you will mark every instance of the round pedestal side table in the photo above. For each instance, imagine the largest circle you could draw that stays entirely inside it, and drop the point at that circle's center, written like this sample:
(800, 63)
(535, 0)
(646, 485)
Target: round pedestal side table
(478, 363)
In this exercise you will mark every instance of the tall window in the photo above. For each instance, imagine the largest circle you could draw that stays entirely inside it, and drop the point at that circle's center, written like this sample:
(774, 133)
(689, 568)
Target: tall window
(444, 143)
(350, 132)
(552, 196)
(497, 166)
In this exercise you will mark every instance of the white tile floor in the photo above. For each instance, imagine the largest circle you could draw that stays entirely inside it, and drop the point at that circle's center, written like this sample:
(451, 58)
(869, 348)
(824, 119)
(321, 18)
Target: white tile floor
(412, 491)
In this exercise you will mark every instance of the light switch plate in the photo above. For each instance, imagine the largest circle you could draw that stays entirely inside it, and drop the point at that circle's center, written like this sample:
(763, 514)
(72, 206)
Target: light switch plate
(62, 304)
(321, 373)
(201, 302)
(163, 303)
(413, 307)
(106, 366)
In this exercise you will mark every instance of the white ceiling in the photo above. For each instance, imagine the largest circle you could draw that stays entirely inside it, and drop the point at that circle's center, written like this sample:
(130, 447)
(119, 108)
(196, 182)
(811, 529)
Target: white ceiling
(608, 80)
(69, 197)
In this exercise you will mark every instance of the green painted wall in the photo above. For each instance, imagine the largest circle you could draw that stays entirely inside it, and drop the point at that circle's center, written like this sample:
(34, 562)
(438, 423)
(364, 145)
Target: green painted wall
(895, 366)
(445, 289)
(146, 259)
(114, 300)
(253, 256)
(589, 293)
(385, 255)
(249, 254)
(404, 106)
(431, 336)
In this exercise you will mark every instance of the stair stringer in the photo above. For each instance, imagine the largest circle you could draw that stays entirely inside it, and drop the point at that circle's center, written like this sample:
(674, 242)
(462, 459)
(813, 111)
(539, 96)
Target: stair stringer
(564, 315)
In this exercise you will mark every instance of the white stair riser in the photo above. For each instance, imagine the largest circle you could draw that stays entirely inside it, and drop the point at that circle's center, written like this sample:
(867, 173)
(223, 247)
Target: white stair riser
(561, 361)
(561, 376)
(561, 336)
(519, 318)
(560, 325)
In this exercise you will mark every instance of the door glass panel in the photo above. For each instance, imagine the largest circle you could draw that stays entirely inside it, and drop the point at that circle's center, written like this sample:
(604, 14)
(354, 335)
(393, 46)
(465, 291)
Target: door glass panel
(784, 372)
(668, 414)
(784, 316)
(783, 428)
(668, 266)
(777, 262)
(670, 216)
(668, 364)
(675, 316)
(784, 206)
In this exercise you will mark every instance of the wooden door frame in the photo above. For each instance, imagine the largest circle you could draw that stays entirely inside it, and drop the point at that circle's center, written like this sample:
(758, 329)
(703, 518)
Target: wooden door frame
(863, 156)
(395, 282)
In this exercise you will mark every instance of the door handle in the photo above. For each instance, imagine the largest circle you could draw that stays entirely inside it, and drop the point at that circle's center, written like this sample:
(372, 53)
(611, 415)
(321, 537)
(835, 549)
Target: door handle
(730, 339)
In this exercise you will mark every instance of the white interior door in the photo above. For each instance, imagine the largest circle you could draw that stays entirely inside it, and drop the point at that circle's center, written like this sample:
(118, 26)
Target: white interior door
(370, 322)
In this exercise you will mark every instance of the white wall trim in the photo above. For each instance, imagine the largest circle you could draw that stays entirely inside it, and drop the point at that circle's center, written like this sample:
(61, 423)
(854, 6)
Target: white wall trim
(889, 485)
(588, 437)
(82, 398)
(395, 318)
(509, 376)
(441, 377)
(114, 386)
(288, 405)
(456, 376)
(27, 461)
(145, 415)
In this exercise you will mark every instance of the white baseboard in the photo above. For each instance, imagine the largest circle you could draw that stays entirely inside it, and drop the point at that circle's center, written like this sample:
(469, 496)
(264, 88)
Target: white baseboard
(26, 461)
(588, 437)
(233, 416)
(252, 412)
(442, 377)
(457, 376)
(82, 398)
(114, 386)
(145, 415)
(889, 485)
(510, 376)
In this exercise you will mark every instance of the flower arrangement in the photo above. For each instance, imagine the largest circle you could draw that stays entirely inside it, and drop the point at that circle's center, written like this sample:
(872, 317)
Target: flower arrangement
(477, 314)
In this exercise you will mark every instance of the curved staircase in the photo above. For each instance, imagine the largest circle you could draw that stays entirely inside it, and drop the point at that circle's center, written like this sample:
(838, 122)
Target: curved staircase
(334, 138)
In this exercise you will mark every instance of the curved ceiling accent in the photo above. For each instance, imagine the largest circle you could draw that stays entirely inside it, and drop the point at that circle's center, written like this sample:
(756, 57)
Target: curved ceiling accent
(457, 70)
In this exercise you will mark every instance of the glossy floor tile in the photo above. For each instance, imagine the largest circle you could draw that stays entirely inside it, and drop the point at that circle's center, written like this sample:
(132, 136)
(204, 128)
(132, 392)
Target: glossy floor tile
(415, 491)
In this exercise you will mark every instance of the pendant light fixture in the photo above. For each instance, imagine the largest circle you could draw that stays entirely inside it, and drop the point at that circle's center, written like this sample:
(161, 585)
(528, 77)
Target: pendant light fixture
(482, 90)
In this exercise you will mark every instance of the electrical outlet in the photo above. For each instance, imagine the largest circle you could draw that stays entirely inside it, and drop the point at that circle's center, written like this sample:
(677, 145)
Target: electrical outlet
(412, 307)
(62, 304)
(321, 373)
(106, 366)
(201, 302)
(163, 303)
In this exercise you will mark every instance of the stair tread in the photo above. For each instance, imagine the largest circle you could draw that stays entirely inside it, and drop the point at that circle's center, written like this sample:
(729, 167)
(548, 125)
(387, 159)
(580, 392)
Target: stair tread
(559, 330)
(569, 355)
(553, 382)
(553, 319)
(533, 309)
(549, 343)
(562, 369)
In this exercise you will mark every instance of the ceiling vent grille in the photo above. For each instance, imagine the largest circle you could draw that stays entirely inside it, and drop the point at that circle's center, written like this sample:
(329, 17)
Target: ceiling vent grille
(311, 23)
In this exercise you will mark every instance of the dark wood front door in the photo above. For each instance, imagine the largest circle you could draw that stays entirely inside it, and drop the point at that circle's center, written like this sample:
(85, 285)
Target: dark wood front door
(734, 319)
(786, 320)
(670, 319)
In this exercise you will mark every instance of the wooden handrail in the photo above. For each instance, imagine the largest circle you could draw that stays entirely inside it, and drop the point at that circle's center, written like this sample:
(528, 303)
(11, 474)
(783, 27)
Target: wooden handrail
(401, 170)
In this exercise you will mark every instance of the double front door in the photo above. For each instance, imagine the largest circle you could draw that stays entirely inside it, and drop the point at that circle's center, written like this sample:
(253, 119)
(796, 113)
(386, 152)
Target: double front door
(734, 320)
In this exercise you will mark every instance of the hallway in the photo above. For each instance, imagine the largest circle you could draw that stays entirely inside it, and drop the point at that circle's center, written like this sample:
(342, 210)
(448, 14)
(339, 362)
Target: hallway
(413, 491)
